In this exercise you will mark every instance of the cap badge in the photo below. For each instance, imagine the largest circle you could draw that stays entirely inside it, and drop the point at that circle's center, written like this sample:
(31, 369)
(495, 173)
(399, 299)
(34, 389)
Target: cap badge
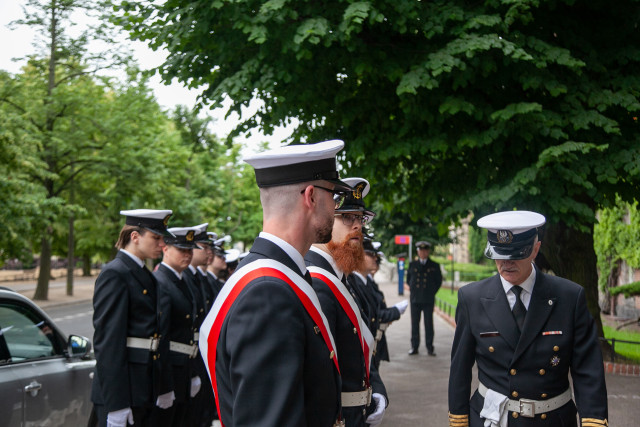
(504, 236)
(165, 221)
(189, 236)
(357, 190)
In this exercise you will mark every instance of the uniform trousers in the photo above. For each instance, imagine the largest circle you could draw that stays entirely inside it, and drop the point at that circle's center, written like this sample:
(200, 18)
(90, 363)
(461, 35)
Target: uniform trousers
(416, 310)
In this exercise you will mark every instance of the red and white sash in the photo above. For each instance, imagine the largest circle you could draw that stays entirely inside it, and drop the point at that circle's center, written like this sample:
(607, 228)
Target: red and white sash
(212, 325)
(351, 308)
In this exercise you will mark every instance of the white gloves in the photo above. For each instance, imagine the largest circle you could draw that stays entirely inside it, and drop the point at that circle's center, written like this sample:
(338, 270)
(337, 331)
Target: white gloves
(195, 385)
(166, 400)
(381, 405)
(119, 418)
(402, 306)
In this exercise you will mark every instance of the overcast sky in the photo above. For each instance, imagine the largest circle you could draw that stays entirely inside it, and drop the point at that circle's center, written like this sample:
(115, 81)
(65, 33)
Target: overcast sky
(18, 43)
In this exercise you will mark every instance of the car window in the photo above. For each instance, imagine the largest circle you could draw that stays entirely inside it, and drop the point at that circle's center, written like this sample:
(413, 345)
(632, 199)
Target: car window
(26, 334)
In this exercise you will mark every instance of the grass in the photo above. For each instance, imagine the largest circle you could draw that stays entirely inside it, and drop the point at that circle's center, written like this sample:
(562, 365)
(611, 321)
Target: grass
(629, 351)
(468, 272)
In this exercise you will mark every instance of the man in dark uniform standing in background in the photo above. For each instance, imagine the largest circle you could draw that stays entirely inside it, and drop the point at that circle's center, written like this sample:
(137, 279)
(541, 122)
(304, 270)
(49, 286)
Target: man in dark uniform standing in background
(269, 350)
(131, 336)
(526, 331)
(424, 278)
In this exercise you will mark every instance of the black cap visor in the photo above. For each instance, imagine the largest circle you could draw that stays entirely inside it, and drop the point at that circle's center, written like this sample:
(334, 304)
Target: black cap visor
(514, 251)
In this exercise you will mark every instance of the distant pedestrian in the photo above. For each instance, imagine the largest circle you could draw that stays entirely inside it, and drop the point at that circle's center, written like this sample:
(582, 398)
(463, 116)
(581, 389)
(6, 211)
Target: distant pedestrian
(424, 278)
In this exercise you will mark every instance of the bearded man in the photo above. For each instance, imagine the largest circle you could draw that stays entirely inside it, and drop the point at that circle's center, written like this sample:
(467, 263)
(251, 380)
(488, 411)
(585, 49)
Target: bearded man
(363, 397)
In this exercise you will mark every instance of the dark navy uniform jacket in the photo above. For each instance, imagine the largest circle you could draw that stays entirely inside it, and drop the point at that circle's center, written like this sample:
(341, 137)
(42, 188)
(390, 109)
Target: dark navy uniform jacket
(350, 357)
(424, 281)
(559, 338)
(125, 304)
(272, 367)
(177, 303)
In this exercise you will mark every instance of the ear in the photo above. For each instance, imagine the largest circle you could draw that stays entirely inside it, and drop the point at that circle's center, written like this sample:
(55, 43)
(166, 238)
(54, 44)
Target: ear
(309, 196)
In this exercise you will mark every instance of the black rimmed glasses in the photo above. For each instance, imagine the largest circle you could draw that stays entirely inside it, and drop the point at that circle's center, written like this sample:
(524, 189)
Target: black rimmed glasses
(338, 195)
(348, 219)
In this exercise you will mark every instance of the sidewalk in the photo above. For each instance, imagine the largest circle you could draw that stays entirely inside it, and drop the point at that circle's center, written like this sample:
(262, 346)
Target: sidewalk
(82, 290)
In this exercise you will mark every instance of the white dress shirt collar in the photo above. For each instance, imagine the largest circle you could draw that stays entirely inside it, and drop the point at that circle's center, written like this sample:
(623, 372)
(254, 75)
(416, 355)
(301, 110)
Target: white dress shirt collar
(133, 257)
(288, 248)
(178, 275)
(330, 260)
(527, 289)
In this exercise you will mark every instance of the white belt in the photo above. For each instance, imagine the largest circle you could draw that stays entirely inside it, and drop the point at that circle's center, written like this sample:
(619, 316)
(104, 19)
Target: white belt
(150, 344)
(356, 398)
(529, 408)
(178, 347)
(196, 335)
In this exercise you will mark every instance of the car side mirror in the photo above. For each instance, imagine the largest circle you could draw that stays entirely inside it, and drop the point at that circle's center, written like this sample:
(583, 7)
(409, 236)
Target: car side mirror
(78, 346)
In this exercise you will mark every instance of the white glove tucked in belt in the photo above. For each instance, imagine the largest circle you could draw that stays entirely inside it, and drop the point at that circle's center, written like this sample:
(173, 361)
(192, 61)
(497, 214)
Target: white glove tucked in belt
(166, 400)
(195, 385)
(402, 306)
(119, 418)
(494, 409)
(381, 405)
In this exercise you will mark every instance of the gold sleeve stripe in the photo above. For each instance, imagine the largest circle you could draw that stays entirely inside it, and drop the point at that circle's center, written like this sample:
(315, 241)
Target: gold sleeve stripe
(594, 422)
(454, 416)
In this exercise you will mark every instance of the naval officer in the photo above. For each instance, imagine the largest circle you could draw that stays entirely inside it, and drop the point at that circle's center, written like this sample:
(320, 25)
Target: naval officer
(130, 338)
(527, 331)
(364, 397)
(424, 278)
(269, 351)
(177, 304)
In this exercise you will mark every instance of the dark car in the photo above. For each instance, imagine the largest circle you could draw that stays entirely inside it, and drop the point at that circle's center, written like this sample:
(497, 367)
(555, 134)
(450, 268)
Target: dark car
(45, 378)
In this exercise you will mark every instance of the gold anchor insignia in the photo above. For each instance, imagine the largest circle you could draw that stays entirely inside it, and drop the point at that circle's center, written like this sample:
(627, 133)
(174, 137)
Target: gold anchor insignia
(189, 236)
(357, 191)
(504, 236)
(165, 221)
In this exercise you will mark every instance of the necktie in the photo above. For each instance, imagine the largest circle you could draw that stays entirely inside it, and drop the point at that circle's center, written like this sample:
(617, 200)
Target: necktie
(519, 311)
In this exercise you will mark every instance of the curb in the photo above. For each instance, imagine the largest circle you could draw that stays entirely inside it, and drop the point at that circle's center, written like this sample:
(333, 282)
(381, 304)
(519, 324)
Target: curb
(615, 368)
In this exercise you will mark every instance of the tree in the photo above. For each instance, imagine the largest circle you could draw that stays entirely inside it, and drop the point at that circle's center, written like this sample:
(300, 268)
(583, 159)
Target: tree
(447, 107)
(58, 114)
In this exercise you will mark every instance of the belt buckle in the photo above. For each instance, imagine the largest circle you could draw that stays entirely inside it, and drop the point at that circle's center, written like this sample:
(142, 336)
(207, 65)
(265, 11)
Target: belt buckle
(155, 342)
(527, 408)
(369, 393)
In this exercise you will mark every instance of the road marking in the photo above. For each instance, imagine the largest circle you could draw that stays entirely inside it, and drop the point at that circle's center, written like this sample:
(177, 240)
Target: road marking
(72, 316)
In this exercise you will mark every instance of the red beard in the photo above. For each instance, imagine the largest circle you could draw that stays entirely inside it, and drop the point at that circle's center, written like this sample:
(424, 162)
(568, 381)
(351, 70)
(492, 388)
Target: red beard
(348, 254)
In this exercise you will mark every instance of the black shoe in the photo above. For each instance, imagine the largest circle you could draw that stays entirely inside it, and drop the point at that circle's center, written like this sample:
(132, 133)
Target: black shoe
(431, 352)
(413, 352)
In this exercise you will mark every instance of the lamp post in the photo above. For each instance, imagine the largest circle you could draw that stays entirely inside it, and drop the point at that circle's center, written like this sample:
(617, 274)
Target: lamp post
(452, 236)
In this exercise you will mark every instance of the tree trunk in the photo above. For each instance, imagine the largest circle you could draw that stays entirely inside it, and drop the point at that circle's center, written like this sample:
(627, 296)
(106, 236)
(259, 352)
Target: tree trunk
(571, 255)
(86, 265)
(42, 289)
(71, 264)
